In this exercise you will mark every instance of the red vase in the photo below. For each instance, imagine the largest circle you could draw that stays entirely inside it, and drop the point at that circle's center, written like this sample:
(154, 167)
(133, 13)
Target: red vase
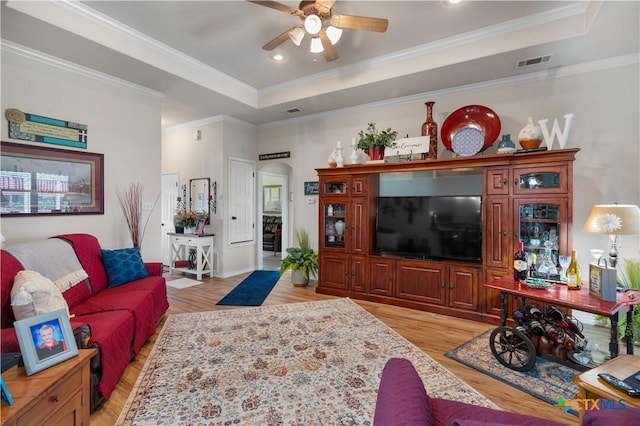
(376, 152)
(430, 128)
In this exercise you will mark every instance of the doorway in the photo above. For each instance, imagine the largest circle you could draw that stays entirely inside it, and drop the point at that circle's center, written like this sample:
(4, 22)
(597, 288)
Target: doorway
(273, 217)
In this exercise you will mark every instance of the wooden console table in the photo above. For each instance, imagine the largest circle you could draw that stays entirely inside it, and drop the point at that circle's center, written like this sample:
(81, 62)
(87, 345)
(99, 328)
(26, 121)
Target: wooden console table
(59, 395)
(581, 300)
(203, 245)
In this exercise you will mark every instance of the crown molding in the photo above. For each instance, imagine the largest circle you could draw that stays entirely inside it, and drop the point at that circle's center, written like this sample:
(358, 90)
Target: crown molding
(102, 29)
(31, 54)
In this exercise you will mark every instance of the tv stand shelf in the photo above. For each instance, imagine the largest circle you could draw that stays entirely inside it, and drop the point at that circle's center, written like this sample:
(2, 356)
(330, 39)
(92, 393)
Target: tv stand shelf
(525, 196)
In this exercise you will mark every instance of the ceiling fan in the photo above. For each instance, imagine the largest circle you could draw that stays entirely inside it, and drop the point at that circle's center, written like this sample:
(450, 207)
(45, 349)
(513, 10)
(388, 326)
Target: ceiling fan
(324, 28)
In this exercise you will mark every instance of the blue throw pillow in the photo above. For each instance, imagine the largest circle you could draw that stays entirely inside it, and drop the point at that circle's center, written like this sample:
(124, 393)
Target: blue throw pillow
(123, 265)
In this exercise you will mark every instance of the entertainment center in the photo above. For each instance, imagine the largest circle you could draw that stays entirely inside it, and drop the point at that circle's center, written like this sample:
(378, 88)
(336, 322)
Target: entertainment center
(427, 234)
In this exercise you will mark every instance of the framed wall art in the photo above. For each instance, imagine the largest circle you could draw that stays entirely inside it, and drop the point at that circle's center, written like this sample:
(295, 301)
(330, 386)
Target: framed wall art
(45, 340)
(311, 188)
(38, 180)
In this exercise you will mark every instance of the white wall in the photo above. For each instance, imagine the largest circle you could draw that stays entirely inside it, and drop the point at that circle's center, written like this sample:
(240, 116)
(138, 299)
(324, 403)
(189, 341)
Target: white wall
(606, 129)
(123, 124)
(221, 139)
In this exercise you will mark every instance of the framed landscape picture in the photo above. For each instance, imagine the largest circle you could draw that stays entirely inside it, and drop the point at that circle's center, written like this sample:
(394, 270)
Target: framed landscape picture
(45, 340)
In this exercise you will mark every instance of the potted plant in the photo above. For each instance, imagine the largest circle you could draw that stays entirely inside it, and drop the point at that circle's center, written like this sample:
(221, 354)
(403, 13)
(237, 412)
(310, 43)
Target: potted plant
(301, 260)
(373, 141)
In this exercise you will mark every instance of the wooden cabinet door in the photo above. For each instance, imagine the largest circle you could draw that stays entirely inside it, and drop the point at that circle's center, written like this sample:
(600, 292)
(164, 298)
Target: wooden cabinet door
(464, 289)
(496, 182)
(358, 274)
(421, 281)
(381, 274)
(497, 233)
(358, 225)
(360, 186)
(492, 301)
(334, 271)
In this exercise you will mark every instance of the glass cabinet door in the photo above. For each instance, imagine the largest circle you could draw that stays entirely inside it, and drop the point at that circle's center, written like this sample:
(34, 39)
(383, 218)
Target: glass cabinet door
(541, 180)
(541, 226)
(337, 187)
(334, 221)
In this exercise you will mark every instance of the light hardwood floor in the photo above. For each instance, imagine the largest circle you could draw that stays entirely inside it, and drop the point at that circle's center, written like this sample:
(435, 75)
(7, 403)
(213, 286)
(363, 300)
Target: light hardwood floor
(432, 333)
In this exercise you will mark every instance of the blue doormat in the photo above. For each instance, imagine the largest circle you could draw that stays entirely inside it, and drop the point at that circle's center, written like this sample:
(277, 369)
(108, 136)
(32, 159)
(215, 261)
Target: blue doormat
(252, 290)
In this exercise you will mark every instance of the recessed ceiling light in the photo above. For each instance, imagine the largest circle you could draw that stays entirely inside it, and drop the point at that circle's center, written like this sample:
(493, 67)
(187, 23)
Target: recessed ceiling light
(452, 1)
(278, 57)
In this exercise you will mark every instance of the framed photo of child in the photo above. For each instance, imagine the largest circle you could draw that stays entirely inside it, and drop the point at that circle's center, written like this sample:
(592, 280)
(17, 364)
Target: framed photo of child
(45, 340)
(200, 226)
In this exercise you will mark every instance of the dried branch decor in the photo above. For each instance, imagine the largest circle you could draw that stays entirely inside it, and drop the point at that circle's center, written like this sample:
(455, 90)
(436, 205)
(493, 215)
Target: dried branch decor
(130, 199)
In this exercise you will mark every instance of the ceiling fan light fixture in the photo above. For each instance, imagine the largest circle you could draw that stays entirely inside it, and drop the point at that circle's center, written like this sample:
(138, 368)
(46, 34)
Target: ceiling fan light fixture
(296, 35)
(316, 45)
(334, 34)
(312, 24)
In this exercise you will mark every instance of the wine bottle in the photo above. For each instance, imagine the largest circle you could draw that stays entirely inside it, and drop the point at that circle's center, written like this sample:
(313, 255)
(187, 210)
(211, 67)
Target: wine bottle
(520, 264)
(521, 320)
(532, 268)
(555, 314)
(574, 281)
(533, 311)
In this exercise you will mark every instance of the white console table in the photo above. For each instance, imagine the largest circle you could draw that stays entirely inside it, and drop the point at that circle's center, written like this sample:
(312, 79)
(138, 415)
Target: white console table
(180, 243)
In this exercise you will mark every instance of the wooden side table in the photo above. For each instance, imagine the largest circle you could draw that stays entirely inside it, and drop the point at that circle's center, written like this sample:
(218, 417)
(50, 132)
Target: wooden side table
(591, 387)
(59, 395)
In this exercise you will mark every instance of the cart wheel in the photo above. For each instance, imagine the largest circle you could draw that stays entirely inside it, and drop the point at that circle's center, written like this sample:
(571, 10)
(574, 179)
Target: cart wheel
(512, 348)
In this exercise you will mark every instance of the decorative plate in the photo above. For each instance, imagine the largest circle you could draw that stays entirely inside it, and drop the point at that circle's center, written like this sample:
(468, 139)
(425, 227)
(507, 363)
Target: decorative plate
(474, 116)
(538, 283)
(467, 141)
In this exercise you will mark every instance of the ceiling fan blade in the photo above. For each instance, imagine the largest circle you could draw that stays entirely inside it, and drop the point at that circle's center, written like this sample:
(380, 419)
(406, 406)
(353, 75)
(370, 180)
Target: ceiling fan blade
(360, 23)
(330, 53)
(278, 6)
(278, 40)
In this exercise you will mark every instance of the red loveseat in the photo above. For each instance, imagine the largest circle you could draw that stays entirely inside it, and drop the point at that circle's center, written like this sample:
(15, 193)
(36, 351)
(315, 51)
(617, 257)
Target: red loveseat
(119, 320)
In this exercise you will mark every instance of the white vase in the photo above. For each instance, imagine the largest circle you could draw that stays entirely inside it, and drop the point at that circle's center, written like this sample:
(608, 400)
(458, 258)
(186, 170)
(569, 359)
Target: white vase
(339, 225)
(189, 229)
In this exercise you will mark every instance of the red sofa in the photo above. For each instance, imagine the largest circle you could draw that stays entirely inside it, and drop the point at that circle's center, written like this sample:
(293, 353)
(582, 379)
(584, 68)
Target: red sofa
(119, 320)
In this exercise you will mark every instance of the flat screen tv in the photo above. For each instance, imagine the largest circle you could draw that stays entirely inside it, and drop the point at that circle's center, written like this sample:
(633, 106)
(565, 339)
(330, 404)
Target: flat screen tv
(430, 227)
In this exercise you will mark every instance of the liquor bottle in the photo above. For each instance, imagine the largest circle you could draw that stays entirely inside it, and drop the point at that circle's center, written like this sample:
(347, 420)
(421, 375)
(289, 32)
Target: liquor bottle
(520, 264)
(574, 281)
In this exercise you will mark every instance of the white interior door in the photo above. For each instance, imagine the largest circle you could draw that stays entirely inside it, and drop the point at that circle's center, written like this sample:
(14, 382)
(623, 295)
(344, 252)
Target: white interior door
(241, 201)
(170, 189)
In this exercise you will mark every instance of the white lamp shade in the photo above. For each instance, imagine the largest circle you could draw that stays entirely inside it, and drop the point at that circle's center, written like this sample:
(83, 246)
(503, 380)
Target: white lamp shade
(334, 34)
(613, 219)
(312, 24)
(316, 45)
(296, 35)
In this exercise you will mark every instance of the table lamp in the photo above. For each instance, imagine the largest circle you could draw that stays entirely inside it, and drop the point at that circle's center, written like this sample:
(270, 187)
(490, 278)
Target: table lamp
(614, 220)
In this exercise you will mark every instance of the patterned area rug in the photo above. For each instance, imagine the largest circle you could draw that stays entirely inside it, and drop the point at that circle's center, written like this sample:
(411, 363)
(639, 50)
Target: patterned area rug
(547, 380)
(315, 363)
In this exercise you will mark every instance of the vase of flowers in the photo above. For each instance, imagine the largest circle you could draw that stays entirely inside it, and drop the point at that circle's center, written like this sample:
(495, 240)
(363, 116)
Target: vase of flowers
(185, 221)
(373, 141)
